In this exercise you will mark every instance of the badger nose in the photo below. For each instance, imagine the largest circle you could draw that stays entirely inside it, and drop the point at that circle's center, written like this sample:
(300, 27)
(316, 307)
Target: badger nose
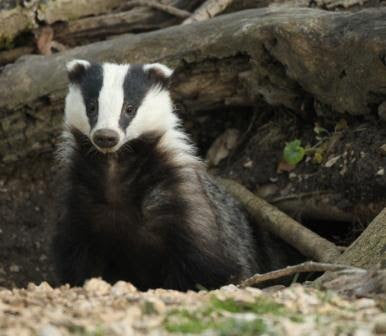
(105, 138)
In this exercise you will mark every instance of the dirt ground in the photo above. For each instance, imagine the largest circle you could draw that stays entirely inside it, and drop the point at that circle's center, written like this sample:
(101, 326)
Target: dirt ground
(100, 309)
(27, 207)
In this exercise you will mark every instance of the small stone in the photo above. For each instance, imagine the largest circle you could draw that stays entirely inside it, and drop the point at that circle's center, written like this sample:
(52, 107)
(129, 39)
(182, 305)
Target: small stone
(292, 176)
(248, 164)
(152, 306)
(383, 149)
(380, 172)
(121, 287)
(380, 324)
(97, 286)
(14, 268)
(49, 330)
(365, 303)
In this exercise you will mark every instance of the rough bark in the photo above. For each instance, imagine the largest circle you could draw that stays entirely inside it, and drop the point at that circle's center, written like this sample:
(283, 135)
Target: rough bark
(370, 248)
(15, 19)
(81, 22)
(132, 20)
(293, 57)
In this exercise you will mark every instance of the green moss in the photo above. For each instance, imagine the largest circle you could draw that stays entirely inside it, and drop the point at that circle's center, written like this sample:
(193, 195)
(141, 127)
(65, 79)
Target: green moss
(188, 323)
(81, 331)
(6, 42)
(259, 306)
(215, 316)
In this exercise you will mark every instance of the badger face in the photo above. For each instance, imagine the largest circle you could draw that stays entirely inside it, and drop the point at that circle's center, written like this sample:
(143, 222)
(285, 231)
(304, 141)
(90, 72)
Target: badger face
(112, 104)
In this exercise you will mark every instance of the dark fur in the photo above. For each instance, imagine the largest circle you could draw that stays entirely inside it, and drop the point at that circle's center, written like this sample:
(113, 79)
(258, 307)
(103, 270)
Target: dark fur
(133, 223)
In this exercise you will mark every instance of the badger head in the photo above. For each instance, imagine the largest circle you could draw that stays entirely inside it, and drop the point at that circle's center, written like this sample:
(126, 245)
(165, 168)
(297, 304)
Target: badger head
(112, 104)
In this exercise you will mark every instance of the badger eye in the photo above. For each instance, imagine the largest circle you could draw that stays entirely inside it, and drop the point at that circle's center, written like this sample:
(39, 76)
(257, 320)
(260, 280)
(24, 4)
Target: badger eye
(129, 109)
(92, 107)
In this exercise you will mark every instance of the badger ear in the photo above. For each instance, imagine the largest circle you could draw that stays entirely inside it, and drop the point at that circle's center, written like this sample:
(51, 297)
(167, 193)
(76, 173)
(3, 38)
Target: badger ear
(159, 73)
(76, 70)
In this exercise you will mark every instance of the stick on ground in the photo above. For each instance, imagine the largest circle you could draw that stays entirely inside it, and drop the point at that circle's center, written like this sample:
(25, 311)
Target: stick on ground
(207, 10)
(309, 266)
(272, 219)
(165, 8)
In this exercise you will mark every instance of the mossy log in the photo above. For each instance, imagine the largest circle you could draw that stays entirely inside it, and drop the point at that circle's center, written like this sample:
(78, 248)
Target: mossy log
(303, 59)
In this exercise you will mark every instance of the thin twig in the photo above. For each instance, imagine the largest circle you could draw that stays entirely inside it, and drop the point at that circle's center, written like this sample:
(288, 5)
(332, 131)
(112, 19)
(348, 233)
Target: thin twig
(165, 8)
(207, 10)
(277, 222)
(309, 266)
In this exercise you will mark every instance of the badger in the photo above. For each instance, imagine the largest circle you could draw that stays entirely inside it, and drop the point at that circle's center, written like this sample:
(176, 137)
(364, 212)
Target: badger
(137, 203)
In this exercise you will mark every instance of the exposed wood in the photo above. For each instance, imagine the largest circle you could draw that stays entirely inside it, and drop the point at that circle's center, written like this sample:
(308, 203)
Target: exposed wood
(66, 10)
(18, 19)
(165, 8)
(272, 219)
(308, 266)
(283, 57)
(126, 20)
(209, 9)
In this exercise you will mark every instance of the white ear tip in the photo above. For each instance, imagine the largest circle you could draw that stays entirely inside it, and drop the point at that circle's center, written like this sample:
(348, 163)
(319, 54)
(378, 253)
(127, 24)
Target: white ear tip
(158, 66)
(72, 64)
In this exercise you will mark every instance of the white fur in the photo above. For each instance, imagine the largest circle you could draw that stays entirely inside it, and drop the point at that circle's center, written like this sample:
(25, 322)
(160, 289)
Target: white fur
(111, 98)
(155, 114)
(163, 68)
(75, 110)
(71, 65)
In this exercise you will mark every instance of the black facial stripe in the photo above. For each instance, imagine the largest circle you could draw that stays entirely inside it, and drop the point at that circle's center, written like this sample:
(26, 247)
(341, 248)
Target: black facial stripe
(137, 83)
(90, 86)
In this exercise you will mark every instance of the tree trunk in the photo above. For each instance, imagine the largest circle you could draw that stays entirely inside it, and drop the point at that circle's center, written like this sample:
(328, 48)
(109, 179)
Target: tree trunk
(370, 248)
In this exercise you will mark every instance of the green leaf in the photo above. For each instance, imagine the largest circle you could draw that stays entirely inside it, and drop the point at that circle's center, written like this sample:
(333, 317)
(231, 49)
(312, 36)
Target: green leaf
(293, 152)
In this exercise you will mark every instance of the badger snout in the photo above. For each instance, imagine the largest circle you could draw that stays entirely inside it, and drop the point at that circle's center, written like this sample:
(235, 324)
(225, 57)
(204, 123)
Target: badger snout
(105, 138)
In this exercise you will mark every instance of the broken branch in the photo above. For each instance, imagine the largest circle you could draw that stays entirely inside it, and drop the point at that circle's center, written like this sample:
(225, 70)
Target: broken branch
(272, 219)
(207, 10)
(165, 8)
(308, 266)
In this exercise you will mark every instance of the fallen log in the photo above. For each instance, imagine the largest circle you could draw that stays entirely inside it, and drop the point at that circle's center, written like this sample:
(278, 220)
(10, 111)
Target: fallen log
(127, 20)
(282, 56)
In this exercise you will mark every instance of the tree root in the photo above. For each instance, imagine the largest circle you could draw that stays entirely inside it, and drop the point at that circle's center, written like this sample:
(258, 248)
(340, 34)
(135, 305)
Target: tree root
(272, 219)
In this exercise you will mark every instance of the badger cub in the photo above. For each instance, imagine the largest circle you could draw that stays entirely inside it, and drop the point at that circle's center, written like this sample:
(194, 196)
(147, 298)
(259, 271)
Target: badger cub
(138, 205)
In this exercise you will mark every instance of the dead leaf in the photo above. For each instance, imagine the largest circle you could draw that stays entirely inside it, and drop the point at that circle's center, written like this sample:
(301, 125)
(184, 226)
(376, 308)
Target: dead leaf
(44, 40)
(222, 146)
(284, 166)
(332, 161)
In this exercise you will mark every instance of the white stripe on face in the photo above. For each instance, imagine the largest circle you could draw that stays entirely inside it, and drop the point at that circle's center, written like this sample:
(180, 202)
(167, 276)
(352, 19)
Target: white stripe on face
(111, 98)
